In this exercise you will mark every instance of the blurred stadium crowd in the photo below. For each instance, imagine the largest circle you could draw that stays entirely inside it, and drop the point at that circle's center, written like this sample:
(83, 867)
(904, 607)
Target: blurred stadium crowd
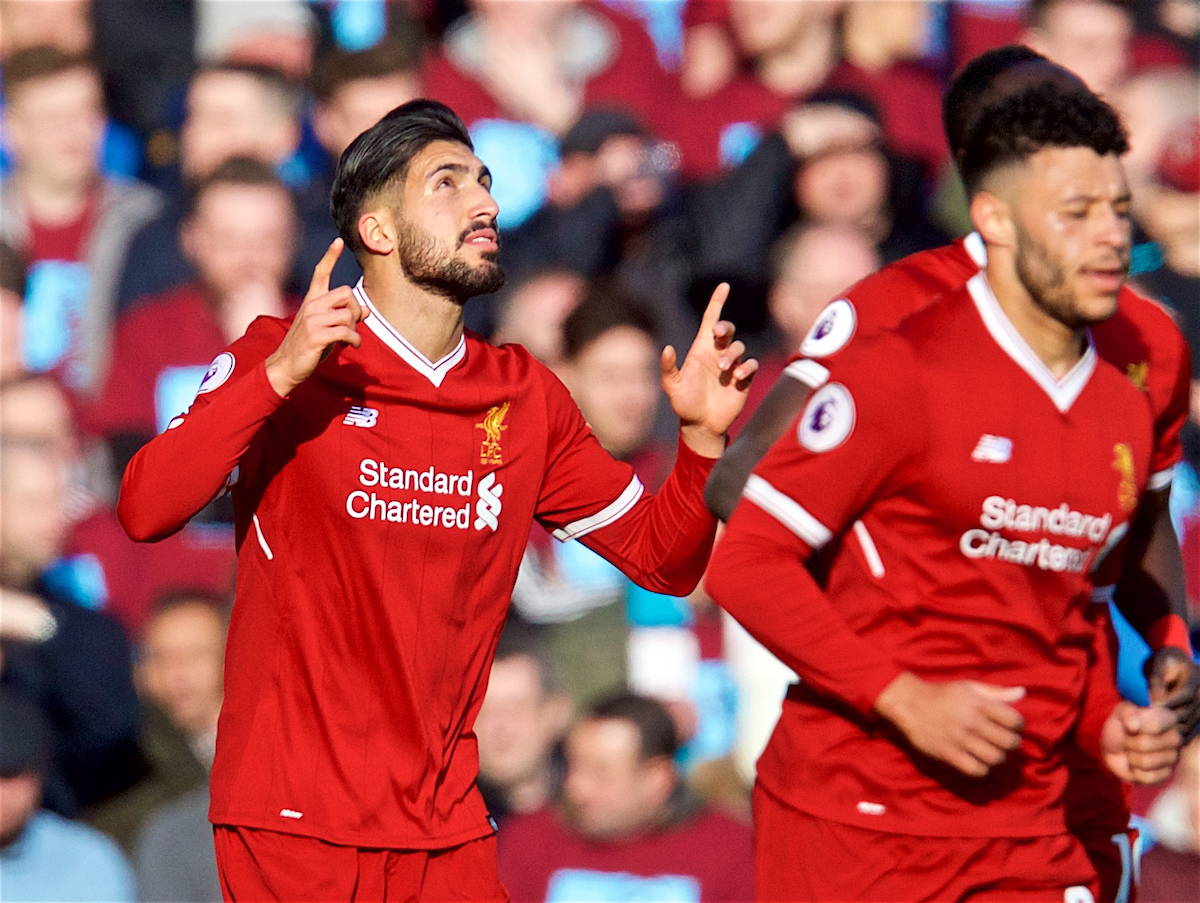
(165, 179)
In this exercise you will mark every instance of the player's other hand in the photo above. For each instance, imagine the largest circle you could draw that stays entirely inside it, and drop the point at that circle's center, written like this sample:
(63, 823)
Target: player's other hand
(1175, 683)
(1141, 745)
(970, 726)
(709, 389)
(324, 319)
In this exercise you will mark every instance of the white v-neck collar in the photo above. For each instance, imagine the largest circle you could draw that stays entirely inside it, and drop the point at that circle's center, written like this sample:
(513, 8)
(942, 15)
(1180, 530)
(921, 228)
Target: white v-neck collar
(1062, 392)
(435, 372)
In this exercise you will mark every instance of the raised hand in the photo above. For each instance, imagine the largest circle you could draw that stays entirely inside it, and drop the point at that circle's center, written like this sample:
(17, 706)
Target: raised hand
(969, 725)
(709, 389)
(1141, 745)
(324, 319)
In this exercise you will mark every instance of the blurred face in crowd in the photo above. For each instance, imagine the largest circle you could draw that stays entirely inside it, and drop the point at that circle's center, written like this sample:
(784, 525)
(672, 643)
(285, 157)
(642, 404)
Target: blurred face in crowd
(845, 181)
(37, 440)
(242, 235)
(1065, 217)
(357, 105)
(231, 114)
(610, 790)
(64, 24)
(820, 263)
(895, 29)
(519, 723)
(54, 125)
(615, 382)
(1089, 37)
(762, 27)
(534, 313)
(10, 334)
(181, 664)
(20, 798)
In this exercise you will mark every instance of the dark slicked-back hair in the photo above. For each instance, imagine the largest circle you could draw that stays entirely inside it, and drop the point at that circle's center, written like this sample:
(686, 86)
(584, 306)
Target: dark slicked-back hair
(656, 730)
(382, 154)
(1036, 117)
(962, 101)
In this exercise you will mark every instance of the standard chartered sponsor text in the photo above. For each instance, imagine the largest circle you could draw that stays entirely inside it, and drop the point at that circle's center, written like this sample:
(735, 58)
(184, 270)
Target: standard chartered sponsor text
(376, 474)
(999, 513)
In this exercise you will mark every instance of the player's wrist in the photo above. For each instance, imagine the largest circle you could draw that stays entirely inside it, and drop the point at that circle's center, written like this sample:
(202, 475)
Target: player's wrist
(702, 440)
(279, 377)
(895, 700)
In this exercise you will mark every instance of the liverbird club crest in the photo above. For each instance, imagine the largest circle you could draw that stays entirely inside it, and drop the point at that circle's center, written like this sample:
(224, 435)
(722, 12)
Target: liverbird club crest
(493, 425)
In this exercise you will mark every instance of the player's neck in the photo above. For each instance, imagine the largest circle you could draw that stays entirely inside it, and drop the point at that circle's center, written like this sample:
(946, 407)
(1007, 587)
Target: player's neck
(431, 323)
(1057, 345)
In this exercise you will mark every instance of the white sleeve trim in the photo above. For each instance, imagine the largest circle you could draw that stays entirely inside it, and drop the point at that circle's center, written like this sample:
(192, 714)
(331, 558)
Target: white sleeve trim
(605, 516)
(870, 552)
(787, 511)
(808, 372)
(1160, 480)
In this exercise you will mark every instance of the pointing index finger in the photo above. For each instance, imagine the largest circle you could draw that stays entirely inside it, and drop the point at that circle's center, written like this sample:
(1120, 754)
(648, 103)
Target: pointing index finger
(712, 313)
(324, 269)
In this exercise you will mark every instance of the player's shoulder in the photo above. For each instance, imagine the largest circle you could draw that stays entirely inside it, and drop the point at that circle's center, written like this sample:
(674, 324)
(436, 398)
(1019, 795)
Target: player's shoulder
(511, 363)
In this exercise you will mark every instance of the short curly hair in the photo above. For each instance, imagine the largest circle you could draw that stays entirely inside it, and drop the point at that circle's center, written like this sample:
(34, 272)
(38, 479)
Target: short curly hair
(1039, 116)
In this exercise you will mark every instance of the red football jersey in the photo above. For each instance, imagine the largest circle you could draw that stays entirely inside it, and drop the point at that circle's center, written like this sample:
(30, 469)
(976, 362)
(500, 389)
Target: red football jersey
(962, 506)
(1140, 339)
(381, 513)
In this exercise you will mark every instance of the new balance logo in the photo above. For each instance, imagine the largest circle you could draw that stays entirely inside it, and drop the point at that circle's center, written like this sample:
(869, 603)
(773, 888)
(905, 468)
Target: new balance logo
(993, 449)
(364, 417)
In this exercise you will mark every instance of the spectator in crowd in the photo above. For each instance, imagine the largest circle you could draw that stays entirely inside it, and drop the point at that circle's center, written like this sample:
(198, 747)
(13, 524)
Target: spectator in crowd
(521, 74)
(883, 46)
(827, 164)
(614, 209)
(627, 829)
(240, 238)
(1153, 104)
(1171, 869)
(179, 679)
(279, 34)
(73, 226)
(533, 309)
(73, 663)
(42, 855)
(611, 368)
(12, 297)
(354, 89)
(232, 110)
(782, 53)
(66, 24)
(1089, 37)
(521, 725)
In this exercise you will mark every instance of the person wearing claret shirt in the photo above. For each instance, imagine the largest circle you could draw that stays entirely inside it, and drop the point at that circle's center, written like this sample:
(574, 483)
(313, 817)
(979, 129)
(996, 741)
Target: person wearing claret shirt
(949, 658)
(1140, 339)
(386, 469)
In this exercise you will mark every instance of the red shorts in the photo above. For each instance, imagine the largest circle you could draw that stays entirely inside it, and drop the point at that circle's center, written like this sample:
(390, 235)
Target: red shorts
(1115, 858)
(798, 857)
(257, 865)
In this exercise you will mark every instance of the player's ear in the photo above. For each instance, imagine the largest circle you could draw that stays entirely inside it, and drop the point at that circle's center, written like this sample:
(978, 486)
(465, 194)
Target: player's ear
(377, 230)
(992, 218)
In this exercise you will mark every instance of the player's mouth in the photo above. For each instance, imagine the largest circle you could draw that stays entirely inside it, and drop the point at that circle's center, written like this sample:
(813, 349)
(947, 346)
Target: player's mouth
(1107, 279)
(485, 239)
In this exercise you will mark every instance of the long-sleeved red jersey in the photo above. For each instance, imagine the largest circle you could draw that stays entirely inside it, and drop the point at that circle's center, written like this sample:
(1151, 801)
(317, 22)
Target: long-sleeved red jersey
(963, 496)
(382, 509)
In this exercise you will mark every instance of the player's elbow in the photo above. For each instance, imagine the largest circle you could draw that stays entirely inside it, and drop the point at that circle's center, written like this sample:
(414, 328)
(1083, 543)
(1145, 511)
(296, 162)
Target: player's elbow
(137, 520)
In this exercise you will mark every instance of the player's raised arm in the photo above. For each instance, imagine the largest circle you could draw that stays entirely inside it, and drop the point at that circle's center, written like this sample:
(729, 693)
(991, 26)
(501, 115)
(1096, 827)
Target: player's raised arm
(181, 470)
(709, 389)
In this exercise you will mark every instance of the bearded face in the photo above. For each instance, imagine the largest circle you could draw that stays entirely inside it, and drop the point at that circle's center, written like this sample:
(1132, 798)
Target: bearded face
(447, 271)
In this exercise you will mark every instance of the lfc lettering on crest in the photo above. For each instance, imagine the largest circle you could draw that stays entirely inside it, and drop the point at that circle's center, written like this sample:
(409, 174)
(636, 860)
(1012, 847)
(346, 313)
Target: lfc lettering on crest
(490, 450)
